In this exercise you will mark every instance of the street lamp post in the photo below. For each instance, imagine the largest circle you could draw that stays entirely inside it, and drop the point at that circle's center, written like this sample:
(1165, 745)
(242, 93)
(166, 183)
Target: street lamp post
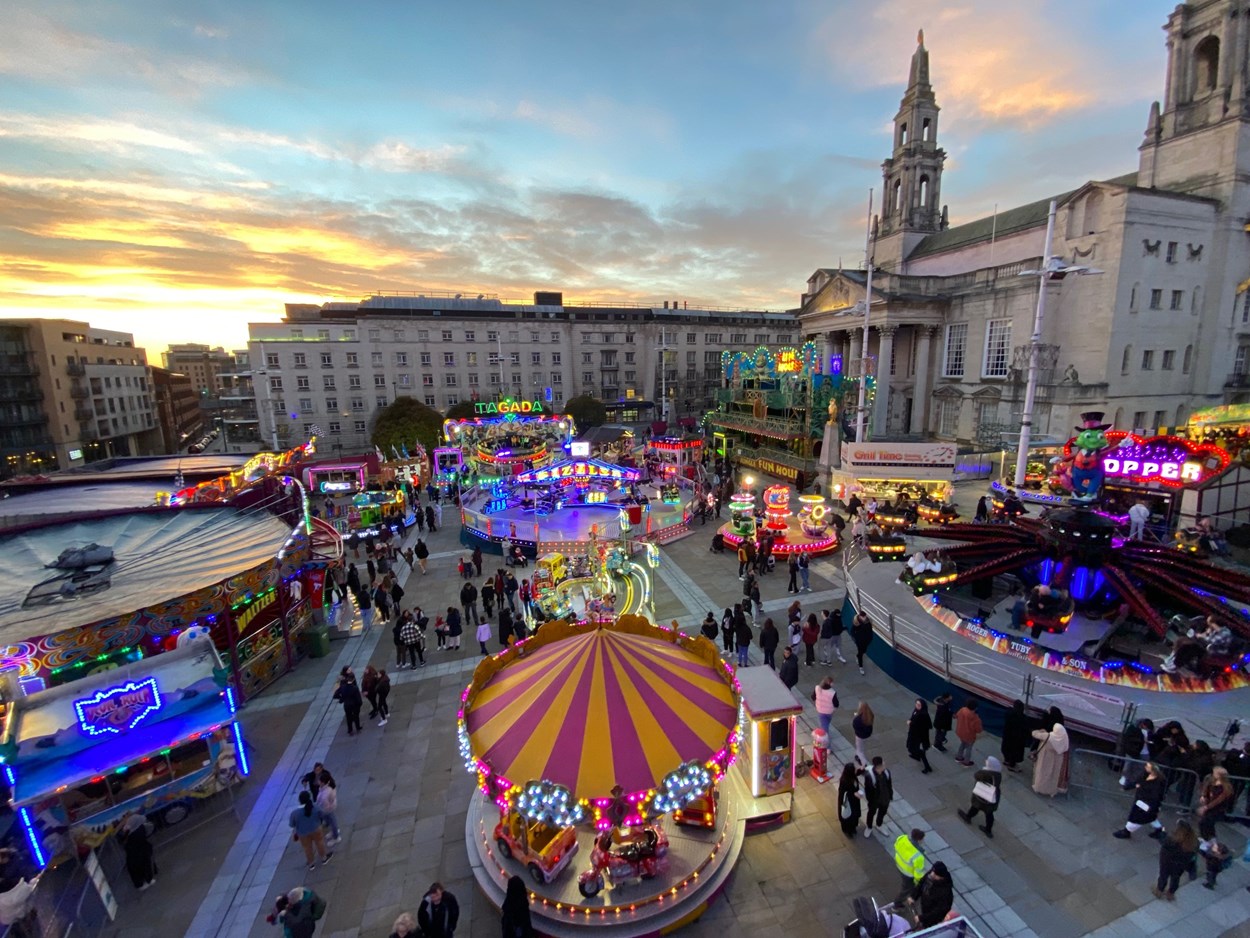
(1052, 268)
(862, 403)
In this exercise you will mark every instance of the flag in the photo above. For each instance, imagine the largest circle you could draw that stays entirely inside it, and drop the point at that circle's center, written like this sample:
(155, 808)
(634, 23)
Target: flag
(404, 447)
(395, 452)
(378, 450)
(316, 430)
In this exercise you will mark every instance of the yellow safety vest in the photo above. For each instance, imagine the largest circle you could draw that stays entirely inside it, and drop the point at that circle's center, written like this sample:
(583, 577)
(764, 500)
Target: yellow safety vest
(908, 858)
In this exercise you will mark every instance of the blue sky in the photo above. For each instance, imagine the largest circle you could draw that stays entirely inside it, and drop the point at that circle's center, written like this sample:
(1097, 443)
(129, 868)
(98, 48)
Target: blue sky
(178, 170)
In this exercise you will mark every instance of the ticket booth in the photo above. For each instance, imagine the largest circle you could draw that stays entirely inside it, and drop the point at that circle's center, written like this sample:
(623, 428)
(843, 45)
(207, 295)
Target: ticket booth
(767, 761)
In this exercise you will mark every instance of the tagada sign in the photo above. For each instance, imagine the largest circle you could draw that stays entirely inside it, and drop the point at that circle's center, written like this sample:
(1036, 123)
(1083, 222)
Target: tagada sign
(508, 406)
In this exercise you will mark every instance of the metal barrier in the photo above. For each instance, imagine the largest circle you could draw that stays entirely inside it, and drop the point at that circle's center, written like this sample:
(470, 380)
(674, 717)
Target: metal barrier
(1100, 772)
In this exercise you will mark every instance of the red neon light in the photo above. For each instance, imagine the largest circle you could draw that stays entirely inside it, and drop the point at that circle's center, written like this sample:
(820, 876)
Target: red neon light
(1132, 462)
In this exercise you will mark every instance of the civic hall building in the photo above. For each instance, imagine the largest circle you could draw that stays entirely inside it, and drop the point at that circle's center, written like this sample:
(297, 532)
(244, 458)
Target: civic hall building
(1164, 329)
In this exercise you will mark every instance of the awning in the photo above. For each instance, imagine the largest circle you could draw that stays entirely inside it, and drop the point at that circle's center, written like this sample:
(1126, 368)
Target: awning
(609, 433)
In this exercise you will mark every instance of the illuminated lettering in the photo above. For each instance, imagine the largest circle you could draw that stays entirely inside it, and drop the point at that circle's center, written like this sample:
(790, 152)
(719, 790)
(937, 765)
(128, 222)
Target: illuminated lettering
(1191, 472)
(508, 406)
(1170, 470)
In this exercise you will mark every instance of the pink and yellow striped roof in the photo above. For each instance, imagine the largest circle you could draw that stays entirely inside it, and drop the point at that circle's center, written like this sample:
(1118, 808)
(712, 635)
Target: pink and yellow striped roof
(603, 707)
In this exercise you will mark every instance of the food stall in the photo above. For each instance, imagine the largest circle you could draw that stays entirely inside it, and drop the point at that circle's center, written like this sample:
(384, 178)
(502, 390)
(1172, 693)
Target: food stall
(767, 765)
(154, 737)
(670, 457)
(881, 470)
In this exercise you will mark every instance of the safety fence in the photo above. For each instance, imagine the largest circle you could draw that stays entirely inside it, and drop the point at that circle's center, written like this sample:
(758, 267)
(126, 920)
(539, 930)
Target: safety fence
(1100, 773)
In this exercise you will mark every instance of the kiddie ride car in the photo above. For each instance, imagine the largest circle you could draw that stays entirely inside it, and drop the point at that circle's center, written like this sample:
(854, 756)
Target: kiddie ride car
(545, 850)
(642, 854)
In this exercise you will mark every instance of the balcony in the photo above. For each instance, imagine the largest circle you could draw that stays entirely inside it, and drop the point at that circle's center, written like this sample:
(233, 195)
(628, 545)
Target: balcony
(79, 393)
(82, 414)
(75, 369)
(18, 365)
(20, 395)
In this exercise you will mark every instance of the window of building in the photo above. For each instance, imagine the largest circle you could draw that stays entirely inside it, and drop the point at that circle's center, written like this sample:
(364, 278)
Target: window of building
(405, 380)
(271, 360)
(303, 383)
(308, 429)
(1178, 299)
(446, 335)
(349, 335)
(690, 357)
(275, 384)
(761, 338)
(738, 338)
(297, 333)
(534, 337)
(1171, 256)
(353, 360)
(956, 350)
(536, 358)
(327, 382)
(423, 335)
(335, 427)
(300, 359)
(379, 381)
(586, 358)
(557, 378)
(470, 358)
(323, 333)
(997, 348)
(359, 426)
(427, 380)
(449, 380)
(588, 377)
(631, 376)
(496, 379)
(305, 404)
(948, 416)
(426, 359)
(1148, 359)
(353, 382)
(1169, 360)
(1160, 421)
(470, 335)
(555, 337)
(492, 336)
(1139, 420)
(375, 335)
(1239, 363)
(453, 400)
(358, 403)
(429, 400)
(449, 359)
(516, 378)
(712, 338)
(332, 404)
(691, 338)
(514, 358)
(399, 336)
(381, 400)
(473, 382)
(987, 413)
(401, 359)
(1125, 359)
(375, 359)
(1187, 359)
(1156, 299)
(557, 357)
(327, 360)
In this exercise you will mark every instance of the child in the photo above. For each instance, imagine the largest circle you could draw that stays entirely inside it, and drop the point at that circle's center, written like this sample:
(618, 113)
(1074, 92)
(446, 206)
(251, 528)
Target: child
(460, 568)
(1218, 858)
(943, 716)
(440, 629)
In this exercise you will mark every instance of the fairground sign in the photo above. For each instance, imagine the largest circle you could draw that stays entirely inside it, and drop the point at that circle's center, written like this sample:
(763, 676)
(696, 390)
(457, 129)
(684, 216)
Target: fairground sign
(508, 406)
(1159, 460)
(116, 709)
(780, 470)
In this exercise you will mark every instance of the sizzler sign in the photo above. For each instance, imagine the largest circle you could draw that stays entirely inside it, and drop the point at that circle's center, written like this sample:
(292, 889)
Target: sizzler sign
(505, 406)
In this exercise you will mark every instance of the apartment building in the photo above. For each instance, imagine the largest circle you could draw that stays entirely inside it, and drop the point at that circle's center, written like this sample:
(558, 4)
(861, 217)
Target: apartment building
(203, 364)
(335, 365)
(69, 394)
(177, 407)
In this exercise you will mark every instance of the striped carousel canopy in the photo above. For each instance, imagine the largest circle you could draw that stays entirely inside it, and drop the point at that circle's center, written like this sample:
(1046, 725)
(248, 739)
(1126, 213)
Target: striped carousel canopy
(623, 704)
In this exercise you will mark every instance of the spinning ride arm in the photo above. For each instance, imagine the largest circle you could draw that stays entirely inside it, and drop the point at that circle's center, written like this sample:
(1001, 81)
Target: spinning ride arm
(1167, 583)
(1009, 561)
(1216, 579)
(1137, 602)
(978, 533)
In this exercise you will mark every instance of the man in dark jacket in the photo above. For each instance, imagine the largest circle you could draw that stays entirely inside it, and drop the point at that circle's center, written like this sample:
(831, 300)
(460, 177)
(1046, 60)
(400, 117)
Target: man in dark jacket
(468, 601)
(943, 718)
(348, 694)
(934, 896)
(477, 559)
(789, 670)
(878, 792)
(439, 913)
(862, 635)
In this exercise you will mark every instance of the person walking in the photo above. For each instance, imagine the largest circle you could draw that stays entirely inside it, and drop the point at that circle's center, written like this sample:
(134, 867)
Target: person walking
(514, 914)
(770, 638)
(967, 729)
(757, 603)
(909, 862)
(792, 566)
(339, 578)
(743, 559)
(1177, 854)
(328, 804)
(454, 629)
(483, 636)
(477, 559)
(301, 911)
(789, 670)
(831, 637)
(934, 897)
(727, 628)
(742, 637)
(1016, 736)
(1148, 797)
(382, 600)
(488, 597)
(397, 636)
(468, 601)
(365, 604)
(862, 635)
(397, 594)
(439, 913)
(861, 726)
(353, 579)
(369, 687)
(708, 628)
(384, 691)
(510, 587)
(527, 596)
(140, 856)
(423, 555)
(878, 793)
(1050, 771)
(413, 637)
(811, 635)
(1214, 801)
(918, 726)
(849, 796)
(305, 821)
(986, 794)
(429, 518)
(405, 926)
(943, 719)
(825, 697)
(348, 694)
(805, 572)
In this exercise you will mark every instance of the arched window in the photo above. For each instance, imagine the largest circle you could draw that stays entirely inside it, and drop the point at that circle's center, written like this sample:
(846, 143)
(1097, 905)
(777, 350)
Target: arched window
(926, 130)
(924, 191)
(898, 195)
(902, 135)
(1206, 65)
(1124, 362)
(1186, 361)
(1180, 416)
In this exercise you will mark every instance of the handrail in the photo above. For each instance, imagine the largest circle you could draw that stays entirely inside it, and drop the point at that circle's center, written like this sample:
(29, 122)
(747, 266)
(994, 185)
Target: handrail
(1182, 792)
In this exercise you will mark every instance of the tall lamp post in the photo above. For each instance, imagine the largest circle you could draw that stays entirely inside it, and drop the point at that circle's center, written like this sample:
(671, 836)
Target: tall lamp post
(1053, 268)
(862, 404)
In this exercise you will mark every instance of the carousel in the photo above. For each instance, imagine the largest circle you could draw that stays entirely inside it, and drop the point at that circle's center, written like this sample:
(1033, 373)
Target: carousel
(808, 530)
(509, 437)
(599, 750)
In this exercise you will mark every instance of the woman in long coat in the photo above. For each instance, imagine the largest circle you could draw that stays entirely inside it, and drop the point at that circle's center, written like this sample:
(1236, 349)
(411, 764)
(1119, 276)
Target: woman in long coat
(918, 726)
(848, 799)
(140, 858)
(1148, 795)
(1015, 736)
(1050, 772)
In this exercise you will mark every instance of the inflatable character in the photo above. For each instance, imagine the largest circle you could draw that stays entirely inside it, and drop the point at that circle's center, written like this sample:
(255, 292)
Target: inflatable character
(1087, 451)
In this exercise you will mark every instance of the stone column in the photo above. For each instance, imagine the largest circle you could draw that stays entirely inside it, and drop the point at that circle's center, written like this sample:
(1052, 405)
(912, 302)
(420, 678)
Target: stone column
(881, 404)
(851, 365)
(920, 397)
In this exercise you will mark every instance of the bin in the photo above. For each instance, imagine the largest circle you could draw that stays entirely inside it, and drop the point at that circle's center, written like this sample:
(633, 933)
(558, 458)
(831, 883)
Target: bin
(318, 642)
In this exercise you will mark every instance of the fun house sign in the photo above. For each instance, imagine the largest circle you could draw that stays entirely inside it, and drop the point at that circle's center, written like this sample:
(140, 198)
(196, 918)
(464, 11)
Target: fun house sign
(1159, 460)
(117, 709)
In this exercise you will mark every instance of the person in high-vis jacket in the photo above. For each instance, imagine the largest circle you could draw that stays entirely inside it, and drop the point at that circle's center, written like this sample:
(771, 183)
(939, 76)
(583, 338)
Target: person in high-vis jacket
(910, 863)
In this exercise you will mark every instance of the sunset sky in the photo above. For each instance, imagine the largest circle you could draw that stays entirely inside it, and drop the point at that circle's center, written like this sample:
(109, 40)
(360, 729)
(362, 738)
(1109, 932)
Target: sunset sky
(178, 170)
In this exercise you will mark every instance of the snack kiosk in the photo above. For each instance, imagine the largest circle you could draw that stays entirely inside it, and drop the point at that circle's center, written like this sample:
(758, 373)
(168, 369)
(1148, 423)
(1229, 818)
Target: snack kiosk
(767, 762)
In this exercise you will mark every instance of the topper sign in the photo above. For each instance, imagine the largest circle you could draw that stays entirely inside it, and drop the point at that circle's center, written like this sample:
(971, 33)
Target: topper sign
(116, 709)
(1165, 460)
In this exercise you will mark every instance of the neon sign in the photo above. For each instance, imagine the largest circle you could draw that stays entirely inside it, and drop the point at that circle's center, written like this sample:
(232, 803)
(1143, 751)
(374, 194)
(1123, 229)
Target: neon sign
(787, 361)
(116, 709)
(1163, 460)
(509, 406)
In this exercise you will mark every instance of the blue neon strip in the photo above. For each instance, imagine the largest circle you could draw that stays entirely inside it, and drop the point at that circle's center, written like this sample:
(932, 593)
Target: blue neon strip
(230, 699)
(239, 752)
(9, 776)
(35, 846)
